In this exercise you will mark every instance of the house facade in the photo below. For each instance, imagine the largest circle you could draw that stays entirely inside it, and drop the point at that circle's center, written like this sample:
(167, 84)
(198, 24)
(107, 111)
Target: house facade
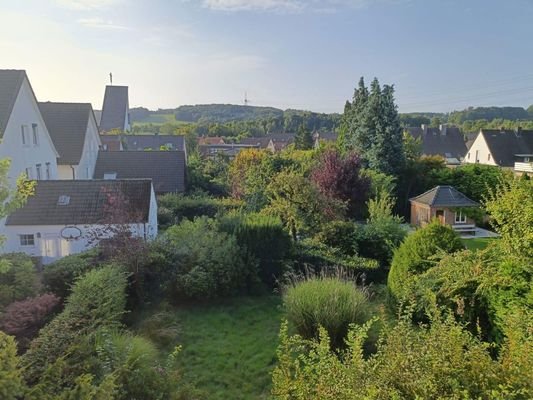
(63, 217)
(25, 139)
(74, 131)
(512, 149)
(447, 205)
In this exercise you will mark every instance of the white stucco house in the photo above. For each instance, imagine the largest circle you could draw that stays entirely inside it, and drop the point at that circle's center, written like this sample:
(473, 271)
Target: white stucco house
(74, 131)
(512, 149)
(63, 216)
(25, 139)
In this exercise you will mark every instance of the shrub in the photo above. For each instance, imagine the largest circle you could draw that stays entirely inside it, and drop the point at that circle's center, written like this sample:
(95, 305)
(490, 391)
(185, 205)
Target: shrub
(208, 263)
(327, 302)
(174, 208)
(23, 319)
(18, 278)
(265, 239)
(97, 299)
(11, 384)
(59, 276)
(417, 254)
(161, 328)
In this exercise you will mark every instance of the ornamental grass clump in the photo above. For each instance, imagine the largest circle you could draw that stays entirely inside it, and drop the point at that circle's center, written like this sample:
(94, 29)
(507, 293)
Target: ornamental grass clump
(325, 301)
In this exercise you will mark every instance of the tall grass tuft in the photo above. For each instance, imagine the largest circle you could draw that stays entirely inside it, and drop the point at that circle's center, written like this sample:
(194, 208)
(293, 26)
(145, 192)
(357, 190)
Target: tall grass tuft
(328, 301)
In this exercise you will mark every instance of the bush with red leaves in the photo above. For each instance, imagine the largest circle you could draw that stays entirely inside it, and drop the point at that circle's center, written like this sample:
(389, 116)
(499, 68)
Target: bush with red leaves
(23, 319)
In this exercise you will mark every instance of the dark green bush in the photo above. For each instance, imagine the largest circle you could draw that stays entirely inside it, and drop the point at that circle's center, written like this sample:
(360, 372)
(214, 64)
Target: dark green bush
(174, 208)
(329, 302)
(265, 239)
(18, 278)
(59, 276)
(11, 383)
(417, 254)
(97, 299)
(207, 262)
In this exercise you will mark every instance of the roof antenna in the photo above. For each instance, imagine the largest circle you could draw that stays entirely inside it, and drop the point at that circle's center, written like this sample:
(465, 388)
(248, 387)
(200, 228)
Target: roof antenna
(111, 78)
(246, 101)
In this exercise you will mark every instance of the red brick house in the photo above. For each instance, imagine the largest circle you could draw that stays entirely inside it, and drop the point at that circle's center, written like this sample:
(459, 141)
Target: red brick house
(446, 204)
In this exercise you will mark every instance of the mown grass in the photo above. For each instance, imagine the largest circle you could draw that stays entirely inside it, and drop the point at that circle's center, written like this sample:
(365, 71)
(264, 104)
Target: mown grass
(228, 348)
(477, 243)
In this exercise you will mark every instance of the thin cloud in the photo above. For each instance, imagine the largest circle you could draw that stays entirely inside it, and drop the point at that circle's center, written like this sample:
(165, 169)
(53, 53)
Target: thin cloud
(100, 23)
(87, 5)
(255, 5)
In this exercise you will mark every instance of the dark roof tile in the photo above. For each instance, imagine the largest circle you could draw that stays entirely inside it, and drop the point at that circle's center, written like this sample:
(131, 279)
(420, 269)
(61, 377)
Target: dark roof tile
(115, 108)
(444, 196)
(10, 83)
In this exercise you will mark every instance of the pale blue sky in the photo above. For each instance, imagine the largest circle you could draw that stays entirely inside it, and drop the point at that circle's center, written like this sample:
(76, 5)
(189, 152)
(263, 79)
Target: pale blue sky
(440, 54)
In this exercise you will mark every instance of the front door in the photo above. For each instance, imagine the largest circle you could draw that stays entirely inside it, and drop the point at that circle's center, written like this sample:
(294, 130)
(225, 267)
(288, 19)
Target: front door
(52, 247)
(440, 216)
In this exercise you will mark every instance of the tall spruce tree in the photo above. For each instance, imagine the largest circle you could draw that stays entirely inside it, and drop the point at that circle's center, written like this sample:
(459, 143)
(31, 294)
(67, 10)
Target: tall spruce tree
(371, 127)
(303, 139)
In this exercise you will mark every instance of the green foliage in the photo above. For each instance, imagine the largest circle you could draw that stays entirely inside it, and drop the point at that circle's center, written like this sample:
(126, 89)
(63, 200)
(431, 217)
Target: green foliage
(440, 361)
(265, 239)
(488, 114)
(303, 139)
(11, 383)
(97, 300)
(417, 254)
(174, 208)
(379, 182)
(510, 206)
(208, 175)
(208, 263)
(59, 276)
(328, 302)
(18, 278)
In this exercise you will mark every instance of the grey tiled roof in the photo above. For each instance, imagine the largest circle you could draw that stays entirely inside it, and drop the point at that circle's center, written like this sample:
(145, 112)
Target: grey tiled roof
(115, 108)
(503, 145)
(67, 124)
(10, 83)
(153, 142)
(165, 168)
(111, 142)
(444, 196)
(88, 202)
(450, 145)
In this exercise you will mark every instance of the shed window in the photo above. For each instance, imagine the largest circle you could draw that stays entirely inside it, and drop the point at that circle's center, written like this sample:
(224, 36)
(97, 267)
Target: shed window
(27, 240)
(460, 218)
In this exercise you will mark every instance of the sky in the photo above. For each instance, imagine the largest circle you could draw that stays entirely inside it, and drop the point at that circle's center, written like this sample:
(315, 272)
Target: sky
(441, 55)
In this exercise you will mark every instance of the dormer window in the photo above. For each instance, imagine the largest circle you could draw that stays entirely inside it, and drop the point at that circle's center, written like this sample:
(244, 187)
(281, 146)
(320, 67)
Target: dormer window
(63, 200)
(35, 131)
(110, 175)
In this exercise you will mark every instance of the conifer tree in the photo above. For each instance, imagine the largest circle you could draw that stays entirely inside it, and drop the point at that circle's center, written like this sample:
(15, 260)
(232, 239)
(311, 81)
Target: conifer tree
(303, 139)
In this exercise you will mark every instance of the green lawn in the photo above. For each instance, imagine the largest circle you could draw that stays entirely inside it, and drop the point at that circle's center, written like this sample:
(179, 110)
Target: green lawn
(228, 348)
(477, 243)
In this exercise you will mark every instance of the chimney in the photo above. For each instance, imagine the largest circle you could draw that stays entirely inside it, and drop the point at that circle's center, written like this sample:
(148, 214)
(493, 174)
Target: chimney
(518, 130)
(424, 129)
(443, 128)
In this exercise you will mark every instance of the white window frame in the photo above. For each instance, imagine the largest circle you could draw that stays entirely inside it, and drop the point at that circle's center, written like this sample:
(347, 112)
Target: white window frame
(38, 171)
(27, 239)
(25, 138)
(460, 217)
(35, 134)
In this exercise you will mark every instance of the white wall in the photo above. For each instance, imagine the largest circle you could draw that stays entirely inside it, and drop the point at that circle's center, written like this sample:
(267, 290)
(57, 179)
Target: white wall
(26, 112)
(480, 148)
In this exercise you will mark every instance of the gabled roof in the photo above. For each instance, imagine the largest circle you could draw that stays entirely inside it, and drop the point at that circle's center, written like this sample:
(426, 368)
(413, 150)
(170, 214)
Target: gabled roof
(447, 142)
(10, 83)
(444, 196)
(153, 142)
(67, 124)
(260, 141)
(86, 202)
(115, 108)
(165, 168)
(504, 144)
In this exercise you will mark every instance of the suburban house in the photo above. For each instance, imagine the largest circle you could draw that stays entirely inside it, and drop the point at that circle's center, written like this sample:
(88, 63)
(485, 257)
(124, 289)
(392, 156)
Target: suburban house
(446, 204)
(445, 141)
(73, 129)
(23, 133)
(209, 140)
(69, 216)
(166, 169)
(115, 110)
(154, 142)
(261, 142)
(111, 142)
(227, 150)
(511, 149)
